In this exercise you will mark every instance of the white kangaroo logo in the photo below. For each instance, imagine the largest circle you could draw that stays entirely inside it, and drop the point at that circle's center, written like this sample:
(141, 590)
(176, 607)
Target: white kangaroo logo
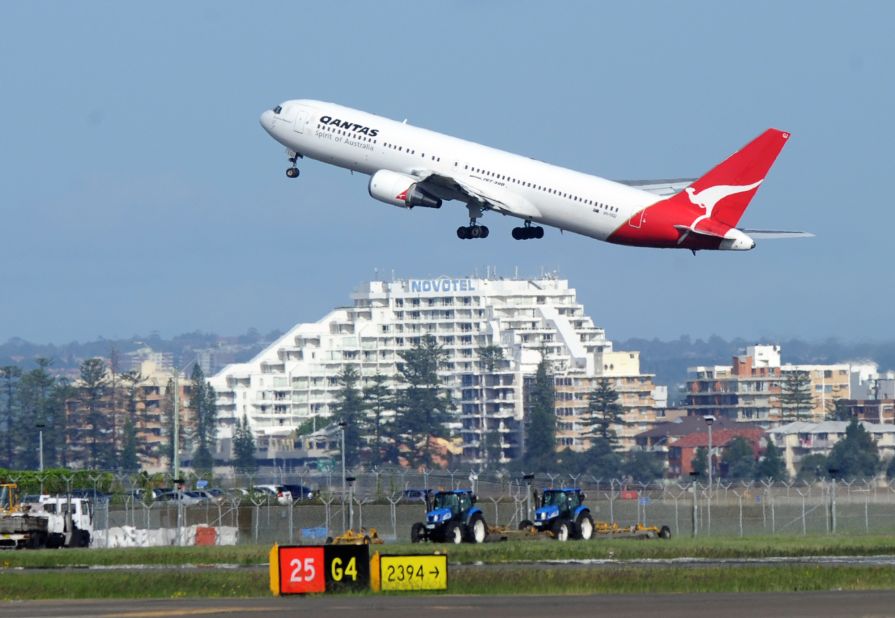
(707, 199)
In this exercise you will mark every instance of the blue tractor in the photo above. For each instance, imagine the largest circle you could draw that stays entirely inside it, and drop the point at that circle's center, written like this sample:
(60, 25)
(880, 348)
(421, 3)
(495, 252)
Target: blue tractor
(451, 517)
(562, 513)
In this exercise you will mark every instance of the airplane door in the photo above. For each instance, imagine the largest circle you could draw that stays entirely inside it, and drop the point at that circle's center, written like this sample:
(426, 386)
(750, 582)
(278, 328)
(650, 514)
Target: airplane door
(302, 118)
(637, 220)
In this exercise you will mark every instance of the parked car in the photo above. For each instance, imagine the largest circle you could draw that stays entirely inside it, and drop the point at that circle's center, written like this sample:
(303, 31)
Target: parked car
(184, 497)
(415, 495)
(273, 493)
(301, 492)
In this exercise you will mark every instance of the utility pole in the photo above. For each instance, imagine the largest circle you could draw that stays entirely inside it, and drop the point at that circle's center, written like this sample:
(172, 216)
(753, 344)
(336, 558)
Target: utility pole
(176, 446)
(709, 419)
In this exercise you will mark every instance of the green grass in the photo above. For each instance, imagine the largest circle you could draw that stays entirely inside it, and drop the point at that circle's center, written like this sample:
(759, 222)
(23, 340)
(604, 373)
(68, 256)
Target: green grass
(175, 583)
(490, 553)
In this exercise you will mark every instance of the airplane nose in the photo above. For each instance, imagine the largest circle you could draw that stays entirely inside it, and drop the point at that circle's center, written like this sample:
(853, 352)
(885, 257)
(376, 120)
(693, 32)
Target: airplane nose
(266, 120)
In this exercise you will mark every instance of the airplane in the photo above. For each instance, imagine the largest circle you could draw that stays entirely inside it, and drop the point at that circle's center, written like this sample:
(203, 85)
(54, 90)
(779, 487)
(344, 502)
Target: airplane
(413, 167)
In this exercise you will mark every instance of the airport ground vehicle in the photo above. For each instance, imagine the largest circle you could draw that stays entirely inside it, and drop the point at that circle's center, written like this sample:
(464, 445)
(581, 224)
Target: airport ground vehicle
(562, 513)
(273, 493)
(301, 492)
(51, 522)
(451, 517)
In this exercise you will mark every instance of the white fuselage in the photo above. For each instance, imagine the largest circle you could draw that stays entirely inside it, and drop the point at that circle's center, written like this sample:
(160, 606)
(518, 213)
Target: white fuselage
(368, 143)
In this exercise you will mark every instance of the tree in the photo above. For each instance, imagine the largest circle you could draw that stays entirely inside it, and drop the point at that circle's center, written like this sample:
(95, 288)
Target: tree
(699, 464)
(812, 467)
(540, 443)
(10, 374)
(130, 451)
(423, 407)
(604, 411)
(838, 410)
(739, 459)
(378, 399)
(771, 465)
(796, 393)
(890, 469)
(348, 408)
(35, 408)
(855, 456)
(204, 408)
(642, 466)
(244, 448)
(490, 356)
(168, 447)
(93, 385)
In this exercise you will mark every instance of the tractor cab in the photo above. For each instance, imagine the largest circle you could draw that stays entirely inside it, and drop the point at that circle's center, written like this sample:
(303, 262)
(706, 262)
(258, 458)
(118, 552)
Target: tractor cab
(451, 516)
(559, 503)
(562, 512)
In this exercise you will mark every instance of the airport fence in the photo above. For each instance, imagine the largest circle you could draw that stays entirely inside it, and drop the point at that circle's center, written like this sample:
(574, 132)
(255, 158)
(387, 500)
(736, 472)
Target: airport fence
(390, 502)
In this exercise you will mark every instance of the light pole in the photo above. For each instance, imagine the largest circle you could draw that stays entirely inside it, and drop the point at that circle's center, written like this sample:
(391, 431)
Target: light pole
(342, 425)
(40, 434)
(350, 480)
(709, 420)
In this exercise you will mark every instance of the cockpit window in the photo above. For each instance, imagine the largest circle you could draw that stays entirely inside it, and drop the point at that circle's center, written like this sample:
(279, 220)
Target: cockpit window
(277, 109)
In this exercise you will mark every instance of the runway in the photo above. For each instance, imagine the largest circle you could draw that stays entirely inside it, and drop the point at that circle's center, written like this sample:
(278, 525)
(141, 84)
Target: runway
(730, 605)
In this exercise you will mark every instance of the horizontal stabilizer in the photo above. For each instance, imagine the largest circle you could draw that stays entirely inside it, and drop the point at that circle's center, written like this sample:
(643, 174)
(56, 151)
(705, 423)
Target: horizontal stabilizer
(689, 230)
(659, 187)
(770, 234)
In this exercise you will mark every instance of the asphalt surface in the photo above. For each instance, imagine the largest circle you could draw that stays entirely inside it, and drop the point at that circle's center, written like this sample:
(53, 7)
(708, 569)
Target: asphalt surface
(729, 605)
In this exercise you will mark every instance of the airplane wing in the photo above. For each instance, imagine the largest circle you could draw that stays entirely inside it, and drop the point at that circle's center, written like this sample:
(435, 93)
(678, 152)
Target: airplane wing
(772, 234)
(663, 188)
(493, 197)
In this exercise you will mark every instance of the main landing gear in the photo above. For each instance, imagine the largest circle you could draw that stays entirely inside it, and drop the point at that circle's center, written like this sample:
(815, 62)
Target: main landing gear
(527, 232)
(472, 230)
(293, 172)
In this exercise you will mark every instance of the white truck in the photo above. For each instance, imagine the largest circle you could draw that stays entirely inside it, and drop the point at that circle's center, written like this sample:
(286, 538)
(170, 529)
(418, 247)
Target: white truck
(51, 522)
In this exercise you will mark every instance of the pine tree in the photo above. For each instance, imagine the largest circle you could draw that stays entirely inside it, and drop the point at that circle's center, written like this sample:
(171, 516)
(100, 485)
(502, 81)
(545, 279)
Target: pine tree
(699, 465)
(540, 443)
(604, 411)
(93, 385)
(739, 458)
(348, 408)
(244, 448)
(856, 455)
(168, 424)
(378, 399)
(131, 451)
(490, 356)
(796, 394)
(129, 462)
(423, 406)
(771, 465)
(204, 408)
(10, 375)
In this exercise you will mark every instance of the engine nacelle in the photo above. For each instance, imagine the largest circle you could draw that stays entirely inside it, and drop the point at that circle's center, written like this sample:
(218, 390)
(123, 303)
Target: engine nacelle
(400, 190)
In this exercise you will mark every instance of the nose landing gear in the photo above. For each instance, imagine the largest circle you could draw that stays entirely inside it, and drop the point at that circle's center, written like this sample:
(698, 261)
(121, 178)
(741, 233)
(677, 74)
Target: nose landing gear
(293, 171)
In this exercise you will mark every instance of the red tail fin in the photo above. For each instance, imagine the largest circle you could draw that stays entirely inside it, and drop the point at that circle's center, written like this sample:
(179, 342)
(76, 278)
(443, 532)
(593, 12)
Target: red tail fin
(726, 190)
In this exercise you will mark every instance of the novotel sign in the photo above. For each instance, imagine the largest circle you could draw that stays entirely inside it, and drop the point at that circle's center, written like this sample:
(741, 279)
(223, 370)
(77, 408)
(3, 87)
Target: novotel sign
(441, 285)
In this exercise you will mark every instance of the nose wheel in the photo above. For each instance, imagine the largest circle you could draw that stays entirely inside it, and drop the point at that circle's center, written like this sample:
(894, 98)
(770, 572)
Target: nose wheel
(293, 172)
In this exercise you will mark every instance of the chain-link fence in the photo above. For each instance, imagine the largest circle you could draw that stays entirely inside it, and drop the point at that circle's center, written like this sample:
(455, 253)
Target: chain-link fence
(390, 502)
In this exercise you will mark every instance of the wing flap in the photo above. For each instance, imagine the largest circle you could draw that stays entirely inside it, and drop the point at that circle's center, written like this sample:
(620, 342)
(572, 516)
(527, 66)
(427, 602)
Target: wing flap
(496, 198)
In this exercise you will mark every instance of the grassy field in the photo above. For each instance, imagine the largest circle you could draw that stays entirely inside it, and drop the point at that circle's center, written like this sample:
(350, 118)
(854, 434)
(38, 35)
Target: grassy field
(176, 583)
(25, 574)
(490, 553)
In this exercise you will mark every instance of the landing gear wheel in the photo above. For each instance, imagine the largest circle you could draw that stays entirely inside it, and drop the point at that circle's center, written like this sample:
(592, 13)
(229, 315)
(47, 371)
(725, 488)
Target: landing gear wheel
(462, 232)
(485, 231)
(292, 172)
(417, 532)
(539, 232)
(584, 526)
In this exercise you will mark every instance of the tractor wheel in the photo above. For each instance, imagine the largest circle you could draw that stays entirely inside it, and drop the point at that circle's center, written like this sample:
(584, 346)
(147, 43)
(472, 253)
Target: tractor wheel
(328, 541)
(417, 532)
(476, 530)
(525, 524)
(453, 533)
(665, 532)
(562, 530)
(584, 527)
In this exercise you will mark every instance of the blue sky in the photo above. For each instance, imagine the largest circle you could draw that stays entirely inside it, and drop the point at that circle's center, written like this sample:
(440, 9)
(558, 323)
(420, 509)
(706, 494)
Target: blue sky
(139, 193)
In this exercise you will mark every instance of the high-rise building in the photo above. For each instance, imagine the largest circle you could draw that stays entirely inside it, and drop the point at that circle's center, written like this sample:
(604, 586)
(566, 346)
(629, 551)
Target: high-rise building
(295, 379)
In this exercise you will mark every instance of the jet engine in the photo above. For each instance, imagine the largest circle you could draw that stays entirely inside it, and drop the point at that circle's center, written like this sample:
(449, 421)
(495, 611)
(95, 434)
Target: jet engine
(400, 190)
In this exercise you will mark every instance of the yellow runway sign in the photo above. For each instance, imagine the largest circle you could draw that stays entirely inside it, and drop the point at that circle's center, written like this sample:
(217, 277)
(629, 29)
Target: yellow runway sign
(413, 572)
